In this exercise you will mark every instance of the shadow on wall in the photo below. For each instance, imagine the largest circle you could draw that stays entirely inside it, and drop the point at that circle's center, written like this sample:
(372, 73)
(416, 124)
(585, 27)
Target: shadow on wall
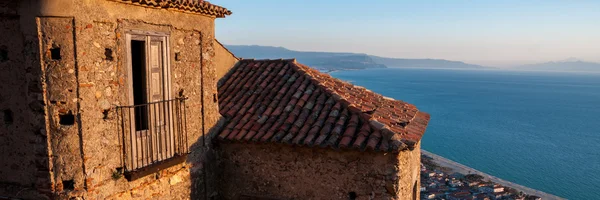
(204, 170)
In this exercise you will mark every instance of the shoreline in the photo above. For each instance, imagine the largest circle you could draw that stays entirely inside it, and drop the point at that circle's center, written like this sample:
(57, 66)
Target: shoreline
(460, 168)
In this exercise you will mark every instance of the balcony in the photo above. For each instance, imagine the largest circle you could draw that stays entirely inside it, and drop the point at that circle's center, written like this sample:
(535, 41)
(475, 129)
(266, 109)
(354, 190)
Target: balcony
(153, 136)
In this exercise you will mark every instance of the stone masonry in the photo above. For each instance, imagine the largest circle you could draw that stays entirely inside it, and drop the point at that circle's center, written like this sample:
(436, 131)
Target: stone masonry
(288, 172)
(65, 72)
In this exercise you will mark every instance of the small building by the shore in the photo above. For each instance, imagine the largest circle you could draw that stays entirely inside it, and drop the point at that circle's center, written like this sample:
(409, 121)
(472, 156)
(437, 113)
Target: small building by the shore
(294, 132)
(465, 195)
(482, 196)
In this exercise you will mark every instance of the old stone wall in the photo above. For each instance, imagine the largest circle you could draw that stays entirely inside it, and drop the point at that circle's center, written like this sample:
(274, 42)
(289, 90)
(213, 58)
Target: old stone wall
(225, 60)
(287, 172)
(62, 106)
(23, 139)
(14, 130)
(63, 100)
(409, 174)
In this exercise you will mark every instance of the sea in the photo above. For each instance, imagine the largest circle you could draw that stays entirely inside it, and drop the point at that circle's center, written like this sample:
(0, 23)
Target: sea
(537, 129)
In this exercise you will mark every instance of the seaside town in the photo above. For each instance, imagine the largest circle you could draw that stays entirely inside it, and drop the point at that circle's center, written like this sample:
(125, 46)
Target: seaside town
(441, 183)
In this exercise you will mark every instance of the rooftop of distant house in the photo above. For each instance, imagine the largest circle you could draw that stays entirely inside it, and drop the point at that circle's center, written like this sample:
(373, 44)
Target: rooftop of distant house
(283, 101)
(461, 194)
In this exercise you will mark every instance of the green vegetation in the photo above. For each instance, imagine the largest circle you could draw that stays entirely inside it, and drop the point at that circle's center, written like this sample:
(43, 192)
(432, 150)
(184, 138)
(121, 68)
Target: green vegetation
(474, 177)
(117, 174)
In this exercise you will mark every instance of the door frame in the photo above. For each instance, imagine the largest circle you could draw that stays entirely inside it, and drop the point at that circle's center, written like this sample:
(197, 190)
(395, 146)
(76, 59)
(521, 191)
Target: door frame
(148, 37)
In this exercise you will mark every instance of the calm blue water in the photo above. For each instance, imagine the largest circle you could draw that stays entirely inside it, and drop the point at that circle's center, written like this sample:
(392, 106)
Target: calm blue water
(538, 129)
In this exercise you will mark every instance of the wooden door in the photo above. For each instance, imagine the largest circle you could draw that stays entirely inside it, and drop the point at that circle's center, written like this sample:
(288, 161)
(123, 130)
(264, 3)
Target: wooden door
(153, 138)
(161, 145)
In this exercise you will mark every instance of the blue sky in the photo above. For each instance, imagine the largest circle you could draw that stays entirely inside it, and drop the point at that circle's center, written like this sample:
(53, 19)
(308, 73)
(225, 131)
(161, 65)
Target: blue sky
(496, 33)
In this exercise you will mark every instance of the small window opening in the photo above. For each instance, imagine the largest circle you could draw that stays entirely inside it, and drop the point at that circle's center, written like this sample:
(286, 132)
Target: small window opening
(3, 53)
(177, 56)
(352, 195)
(8, 116)
(108, 54)
(55, 53)
(66, 119)
(215, 98)
(181, 93)
(105, 114)
(68, 185)
(138, 64)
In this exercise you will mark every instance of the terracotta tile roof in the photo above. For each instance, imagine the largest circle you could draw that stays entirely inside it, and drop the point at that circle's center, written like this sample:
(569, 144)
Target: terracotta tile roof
(193, 6)
(284, 101)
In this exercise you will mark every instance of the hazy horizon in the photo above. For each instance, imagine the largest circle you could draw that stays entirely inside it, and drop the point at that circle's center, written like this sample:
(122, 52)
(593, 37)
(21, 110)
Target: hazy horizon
(571, 59)
(490, 33)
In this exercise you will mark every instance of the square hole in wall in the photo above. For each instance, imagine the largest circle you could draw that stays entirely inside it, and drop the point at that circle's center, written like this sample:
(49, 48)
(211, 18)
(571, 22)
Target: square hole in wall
(68, 185)
(8, 116)
(105, 113)
(3, 53)
(352, 195)
(55, 53)
(177, 56)
(66, 119)
(108, 54)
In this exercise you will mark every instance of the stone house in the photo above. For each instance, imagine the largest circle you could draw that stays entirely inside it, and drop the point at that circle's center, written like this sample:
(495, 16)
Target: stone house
(292, 132)
(107, 99)
(136, 99)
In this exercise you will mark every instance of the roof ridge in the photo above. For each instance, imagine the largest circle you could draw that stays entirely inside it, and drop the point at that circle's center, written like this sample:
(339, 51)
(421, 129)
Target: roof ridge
(293, 60)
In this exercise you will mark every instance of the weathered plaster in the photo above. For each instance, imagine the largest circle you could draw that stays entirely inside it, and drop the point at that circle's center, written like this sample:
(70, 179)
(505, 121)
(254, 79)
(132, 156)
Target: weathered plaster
(224, 58)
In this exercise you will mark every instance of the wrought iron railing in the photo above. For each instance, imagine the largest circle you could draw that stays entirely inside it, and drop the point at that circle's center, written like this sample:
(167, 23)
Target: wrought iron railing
(153, 135)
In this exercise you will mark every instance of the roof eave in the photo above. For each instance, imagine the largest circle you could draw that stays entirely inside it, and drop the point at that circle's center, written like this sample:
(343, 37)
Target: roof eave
(199, 7)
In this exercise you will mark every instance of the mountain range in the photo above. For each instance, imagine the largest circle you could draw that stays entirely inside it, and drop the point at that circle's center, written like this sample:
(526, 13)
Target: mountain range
(424, 63)
(565, 65)
(337, 61)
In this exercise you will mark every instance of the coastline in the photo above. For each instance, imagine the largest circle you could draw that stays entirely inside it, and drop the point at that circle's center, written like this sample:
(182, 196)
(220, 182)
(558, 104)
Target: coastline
(460, 168)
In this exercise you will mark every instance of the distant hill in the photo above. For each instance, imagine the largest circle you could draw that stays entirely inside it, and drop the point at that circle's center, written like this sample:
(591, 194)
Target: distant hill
(332, 61)
(320, 60)
(566, 65)
(423, 63)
